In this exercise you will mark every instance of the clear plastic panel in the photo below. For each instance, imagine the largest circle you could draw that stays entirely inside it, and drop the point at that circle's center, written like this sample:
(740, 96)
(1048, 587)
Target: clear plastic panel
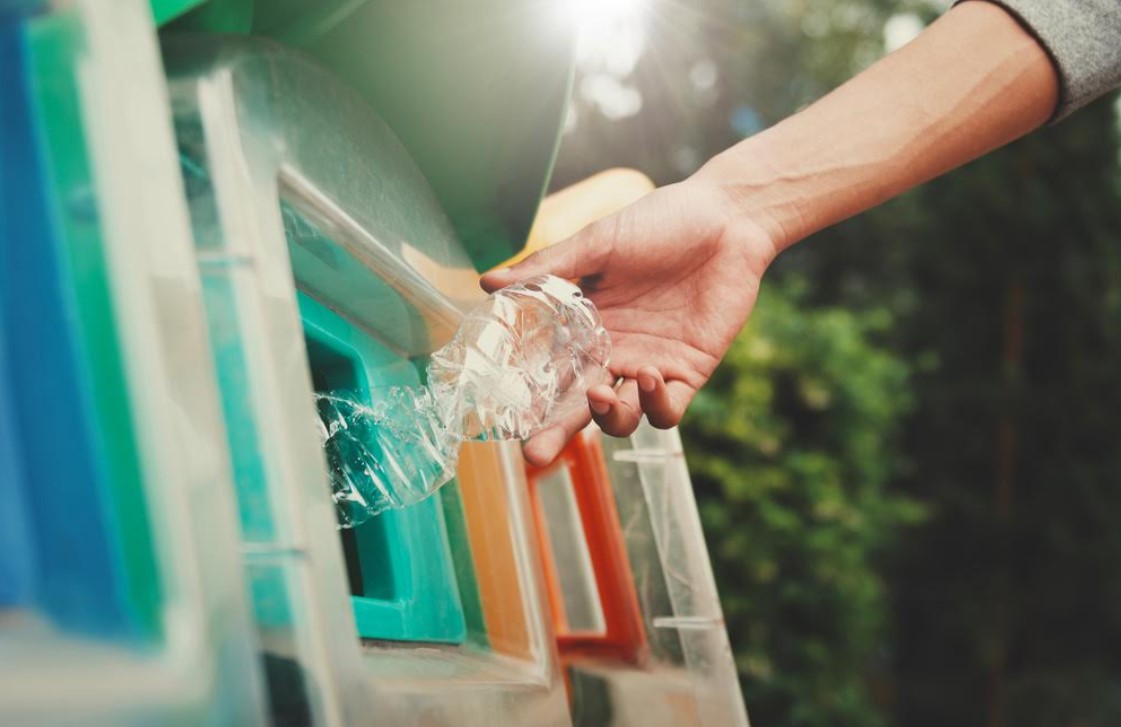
(692, 677)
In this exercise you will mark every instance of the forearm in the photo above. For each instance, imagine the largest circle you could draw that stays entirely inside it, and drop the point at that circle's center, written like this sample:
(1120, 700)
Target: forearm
(973, 81)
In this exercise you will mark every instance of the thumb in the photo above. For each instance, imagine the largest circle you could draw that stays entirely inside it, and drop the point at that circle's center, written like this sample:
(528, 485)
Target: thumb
(579, 256)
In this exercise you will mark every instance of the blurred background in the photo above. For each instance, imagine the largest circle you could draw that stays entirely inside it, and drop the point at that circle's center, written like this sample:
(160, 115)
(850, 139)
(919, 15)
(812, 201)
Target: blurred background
(907, 466)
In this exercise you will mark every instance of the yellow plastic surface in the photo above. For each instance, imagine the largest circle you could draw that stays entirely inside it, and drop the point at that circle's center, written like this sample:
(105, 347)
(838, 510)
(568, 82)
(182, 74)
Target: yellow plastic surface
(564, 213)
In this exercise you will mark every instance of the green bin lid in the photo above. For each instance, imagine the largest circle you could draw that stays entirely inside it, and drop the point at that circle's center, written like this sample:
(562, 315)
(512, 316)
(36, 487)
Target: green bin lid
(476, 92)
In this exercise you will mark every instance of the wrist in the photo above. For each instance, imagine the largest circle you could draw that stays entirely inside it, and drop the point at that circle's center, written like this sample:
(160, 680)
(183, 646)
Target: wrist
(748, 189)
(734, 222)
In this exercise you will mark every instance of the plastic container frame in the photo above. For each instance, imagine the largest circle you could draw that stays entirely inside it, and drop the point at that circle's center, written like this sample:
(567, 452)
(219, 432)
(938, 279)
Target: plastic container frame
(265, 130)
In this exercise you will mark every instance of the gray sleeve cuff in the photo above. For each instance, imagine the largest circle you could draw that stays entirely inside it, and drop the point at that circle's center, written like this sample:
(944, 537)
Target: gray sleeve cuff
(1083, 38)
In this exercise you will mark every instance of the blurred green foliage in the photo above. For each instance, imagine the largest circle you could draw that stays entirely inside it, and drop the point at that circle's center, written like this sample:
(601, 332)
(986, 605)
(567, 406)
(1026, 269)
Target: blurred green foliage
(1008, 290)
(791, 448)
(957, 351)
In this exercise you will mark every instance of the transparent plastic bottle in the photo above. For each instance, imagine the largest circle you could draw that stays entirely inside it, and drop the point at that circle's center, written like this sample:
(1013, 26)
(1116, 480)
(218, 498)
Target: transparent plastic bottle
(390, 455)
(520, 362)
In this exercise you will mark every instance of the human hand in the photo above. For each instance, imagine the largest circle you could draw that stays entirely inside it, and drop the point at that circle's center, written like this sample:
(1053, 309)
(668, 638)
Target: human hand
(674, 279)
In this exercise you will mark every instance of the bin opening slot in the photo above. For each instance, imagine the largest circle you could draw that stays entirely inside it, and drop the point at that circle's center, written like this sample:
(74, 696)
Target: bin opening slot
(358, 331)
(366, 547)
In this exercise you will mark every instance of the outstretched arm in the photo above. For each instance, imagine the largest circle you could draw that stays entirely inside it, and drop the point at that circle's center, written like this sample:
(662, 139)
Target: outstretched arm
(675, 275)
(973, 81)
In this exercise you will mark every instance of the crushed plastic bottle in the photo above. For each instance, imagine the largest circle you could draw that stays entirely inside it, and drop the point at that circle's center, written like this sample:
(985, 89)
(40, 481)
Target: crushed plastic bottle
(386, 456)
(519, 363)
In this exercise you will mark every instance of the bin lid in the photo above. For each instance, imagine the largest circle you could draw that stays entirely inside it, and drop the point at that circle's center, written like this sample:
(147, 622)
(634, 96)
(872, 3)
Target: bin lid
(476, 92)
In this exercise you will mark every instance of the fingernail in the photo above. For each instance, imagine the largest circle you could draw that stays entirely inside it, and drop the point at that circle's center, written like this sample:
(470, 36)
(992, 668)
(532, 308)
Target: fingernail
(600, 407)
(647, 383)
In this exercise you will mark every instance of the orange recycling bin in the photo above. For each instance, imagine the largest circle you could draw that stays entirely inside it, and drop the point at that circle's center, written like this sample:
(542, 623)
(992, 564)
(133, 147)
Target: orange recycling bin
(587, 573)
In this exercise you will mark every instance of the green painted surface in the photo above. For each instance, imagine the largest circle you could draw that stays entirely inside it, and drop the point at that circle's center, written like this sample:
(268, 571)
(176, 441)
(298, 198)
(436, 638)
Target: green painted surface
(475, 91)
(211, 16)
(164, 11)
(56, 46)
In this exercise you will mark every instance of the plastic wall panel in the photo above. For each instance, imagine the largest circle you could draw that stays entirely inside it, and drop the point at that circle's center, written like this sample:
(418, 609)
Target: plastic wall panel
(104, 243)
